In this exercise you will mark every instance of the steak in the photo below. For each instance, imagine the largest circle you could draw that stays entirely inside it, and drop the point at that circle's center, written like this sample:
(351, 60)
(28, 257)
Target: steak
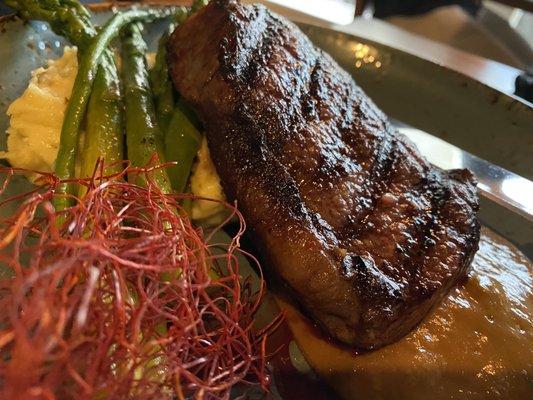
(367, 235)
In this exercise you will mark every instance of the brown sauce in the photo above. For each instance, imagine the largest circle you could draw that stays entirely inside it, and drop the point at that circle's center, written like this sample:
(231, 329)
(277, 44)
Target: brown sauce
(478, 344)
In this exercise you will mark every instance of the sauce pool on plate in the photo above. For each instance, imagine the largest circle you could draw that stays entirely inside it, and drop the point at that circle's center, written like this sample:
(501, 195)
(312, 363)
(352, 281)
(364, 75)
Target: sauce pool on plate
(477, 344)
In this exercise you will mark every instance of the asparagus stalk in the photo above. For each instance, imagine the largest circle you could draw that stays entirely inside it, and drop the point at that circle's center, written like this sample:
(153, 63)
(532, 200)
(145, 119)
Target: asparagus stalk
(67, 18)
(81, 91)
(143, 135)
(159, 79)
(181, 136)
(104, 127)
(161, 85)
(182, 142)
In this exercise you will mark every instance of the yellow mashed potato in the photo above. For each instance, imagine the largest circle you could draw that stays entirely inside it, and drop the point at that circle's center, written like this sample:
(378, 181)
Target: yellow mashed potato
(37, 115)
(205, 182)
(35, 128)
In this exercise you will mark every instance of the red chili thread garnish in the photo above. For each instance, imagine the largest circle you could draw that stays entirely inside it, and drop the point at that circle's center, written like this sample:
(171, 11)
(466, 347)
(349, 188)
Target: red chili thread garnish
(122, 297)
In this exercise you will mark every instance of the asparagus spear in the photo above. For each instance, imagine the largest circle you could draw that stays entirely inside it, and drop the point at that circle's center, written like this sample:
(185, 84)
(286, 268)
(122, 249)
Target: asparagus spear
(104, 127)
(161, 85)
(143, 135)
(181, 136)
(159, 79)
(81, 91)
(182, 142)
(67, 18)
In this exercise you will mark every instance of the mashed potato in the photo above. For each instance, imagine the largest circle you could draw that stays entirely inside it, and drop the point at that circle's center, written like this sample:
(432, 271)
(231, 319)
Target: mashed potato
(37, 115)
(35, 128)
(205, 182)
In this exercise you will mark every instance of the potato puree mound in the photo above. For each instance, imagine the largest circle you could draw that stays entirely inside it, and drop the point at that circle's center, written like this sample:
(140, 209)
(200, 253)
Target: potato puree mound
(35, 127)
(205, 182)
(36, 116)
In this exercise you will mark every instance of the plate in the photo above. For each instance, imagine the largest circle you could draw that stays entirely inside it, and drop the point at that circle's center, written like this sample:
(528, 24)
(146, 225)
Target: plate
(409, 89)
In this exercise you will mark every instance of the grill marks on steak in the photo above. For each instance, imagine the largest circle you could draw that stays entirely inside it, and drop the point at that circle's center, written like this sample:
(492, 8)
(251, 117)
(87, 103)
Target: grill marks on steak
(364, 231)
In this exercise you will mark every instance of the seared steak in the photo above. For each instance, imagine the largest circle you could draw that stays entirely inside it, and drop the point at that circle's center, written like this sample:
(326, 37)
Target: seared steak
(363, 230)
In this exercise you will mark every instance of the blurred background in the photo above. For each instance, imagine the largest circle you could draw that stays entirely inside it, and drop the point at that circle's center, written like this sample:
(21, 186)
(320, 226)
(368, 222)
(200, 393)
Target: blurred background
(500, 30)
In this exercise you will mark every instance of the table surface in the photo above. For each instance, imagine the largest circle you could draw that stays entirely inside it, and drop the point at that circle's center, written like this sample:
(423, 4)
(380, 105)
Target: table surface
(491, 73)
